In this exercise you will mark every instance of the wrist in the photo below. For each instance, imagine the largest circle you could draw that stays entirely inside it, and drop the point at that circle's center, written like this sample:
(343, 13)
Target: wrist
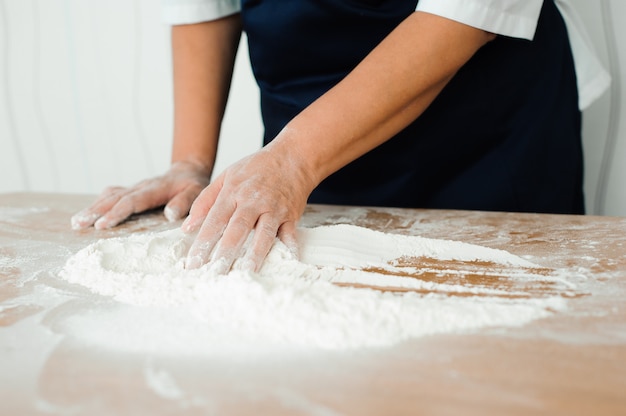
(203, 168)
(298, 159)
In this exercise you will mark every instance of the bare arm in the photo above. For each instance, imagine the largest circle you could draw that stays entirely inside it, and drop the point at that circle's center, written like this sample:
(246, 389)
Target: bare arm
(391, 88)
(388, 90)
(203, 59)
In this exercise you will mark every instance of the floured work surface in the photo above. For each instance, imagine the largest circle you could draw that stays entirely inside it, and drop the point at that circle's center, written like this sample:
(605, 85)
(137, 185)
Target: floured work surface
(533, 321)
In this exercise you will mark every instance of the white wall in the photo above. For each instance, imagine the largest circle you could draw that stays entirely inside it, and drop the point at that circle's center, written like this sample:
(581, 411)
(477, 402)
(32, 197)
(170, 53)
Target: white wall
(86, 96)
(85, 99)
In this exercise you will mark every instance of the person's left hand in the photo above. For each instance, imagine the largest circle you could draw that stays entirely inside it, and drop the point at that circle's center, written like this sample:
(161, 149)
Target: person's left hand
(265, 192)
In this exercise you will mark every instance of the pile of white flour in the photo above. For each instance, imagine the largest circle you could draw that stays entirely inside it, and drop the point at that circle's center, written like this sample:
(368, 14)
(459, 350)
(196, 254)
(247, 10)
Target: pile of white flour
(291, 303)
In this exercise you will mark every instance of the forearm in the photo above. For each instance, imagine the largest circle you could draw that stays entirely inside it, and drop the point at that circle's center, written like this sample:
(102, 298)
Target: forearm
(387, 91)
(203, 60)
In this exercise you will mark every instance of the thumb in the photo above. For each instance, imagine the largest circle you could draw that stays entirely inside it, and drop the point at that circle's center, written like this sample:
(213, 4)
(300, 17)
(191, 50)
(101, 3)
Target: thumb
(288, 235)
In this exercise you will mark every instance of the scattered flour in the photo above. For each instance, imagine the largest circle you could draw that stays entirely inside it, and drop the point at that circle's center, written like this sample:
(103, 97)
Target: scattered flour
(162, 383)
(313, 302)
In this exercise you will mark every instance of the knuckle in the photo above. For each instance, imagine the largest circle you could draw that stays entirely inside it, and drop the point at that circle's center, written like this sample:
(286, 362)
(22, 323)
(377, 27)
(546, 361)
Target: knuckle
(128, 203)
(210, 226)
(267, 228)
(241, 222)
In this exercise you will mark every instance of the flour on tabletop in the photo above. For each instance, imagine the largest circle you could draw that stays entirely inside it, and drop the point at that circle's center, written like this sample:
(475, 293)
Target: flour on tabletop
(12, 213)
(162, 383)
(310, 302)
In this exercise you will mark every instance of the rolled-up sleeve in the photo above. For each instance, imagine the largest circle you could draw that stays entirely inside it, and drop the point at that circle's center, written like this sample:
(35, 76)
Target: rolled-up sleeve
(178, 12)
(518, 19)
(514, 18)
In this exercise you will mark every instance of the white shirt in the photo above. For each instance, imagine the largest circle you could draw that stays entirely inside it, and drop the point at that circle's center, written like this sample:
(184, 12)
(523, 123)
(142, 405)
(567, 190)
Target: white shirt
(514, 18)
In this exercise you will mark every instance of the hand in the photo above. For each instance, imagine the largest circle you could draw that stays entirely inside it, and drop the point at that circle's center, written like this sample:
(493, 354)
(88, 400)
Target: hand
(176, 189)
(265, 192)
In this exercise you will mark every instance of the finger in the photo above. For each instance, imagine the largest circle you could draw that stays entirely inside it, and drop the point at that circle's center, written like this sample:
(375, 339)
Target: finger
(230, 245)
(262, 242)
(131, 203)
(240, 222)
(235, 235)
(180, 204)
(201, 206)
(104, 202)
(212, 229)
(85, 218)
(287, 233)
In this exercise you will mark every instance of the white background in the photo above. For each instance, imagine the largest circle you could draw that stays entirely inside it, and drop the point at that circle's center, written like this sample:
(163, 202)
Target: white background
(86, 99)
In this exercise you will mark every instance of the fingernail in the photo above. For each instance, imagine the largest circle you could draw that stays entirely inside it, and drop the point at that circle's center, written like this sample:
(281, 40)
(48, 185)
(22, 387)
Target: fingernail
(82, 220)
(101, 224)
(172, 214)
(77, 223)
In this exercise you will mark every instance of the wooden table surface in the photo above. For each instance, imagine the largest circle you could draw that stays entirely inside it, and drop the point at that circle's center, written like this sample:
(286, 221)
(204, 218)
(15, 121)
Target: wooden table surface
(572, 363)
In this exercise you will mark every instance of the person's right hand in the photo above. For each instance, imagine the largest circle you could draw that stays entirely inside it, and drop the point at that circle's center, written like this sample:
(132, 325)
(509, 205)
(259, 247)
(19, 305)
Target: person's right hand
(176, 189)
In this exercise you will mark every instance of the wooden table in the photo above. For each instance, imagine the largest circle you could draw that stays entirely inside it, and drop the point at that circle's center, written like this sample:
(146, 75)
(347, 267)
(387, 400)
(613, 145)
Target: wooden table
(571, 363)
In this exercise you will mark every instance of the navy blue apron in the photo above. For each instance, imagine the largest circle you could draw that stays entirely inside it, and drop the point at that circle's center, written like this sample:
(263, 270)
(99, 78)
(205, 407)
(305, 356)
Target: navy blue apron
(503, 135)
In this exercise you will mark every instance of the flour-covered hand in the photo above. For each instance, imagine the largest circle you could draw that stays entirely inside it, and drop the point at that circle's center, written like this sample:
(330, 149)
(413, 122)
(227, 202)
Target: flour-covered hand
(176, 189)
(265, 193)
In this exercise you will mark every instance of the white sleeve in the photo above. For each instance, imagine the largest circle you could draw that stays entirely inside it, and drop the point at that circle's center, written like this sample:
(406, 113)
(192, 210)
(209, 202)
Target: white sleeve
(178, 12)
(514, 18)
(518, 18)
